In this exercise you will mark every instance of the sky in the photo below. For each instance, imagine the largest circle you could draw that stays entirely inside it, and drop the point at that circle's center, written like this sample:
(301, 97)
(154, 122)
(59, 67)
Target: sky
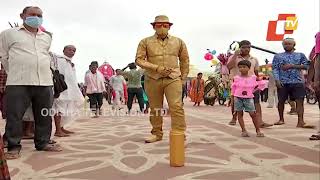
(111, 30)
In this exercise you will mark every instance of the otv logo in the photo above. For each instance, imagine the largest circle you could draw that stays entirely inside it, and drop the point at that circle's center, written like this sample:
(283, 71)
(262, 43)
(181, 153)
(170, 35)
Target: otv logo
(290, 25)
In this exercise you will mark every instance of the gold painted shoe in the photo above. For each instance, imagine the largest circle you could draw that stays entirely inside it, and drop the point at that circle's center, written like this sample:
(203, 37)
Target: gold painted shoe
(153, 138)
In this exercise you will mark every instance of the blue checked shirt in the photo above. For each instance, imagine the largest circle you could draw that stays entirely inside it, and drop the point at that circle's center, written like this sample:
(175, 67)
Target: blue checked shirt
(291, 76)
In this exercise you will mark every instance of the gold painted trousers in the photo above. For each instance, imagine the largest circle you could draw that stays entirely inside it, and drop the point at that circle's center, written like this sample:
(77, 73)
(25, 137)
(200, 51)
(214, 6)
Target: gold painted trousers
(172, 89)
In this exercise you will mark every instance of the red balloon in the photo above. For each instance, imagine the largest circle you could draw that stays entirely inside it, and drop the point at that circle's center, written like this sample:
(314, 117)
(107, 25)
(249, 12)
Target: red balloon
(208, 56)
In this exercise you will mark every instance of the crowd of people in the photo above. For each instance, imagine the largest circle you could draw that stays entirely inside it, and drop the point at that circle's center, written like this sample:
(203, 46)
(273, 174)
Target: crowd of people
(123, 87)
(26, 87)
(292, 72)
(286, 83)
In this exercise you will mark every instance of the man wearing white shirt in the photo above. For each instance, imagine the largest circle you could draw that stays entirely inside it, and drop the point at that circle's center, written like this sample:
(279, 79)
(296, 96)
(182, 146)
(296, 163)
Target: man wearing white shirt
(67, 106)
(24, 52)
(117, 81)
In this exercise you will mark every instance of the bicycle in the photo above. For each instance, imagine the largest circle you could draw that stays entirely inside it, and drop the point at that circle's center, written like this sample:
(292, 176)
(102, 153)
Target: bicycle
(223, 95)
(311, 96)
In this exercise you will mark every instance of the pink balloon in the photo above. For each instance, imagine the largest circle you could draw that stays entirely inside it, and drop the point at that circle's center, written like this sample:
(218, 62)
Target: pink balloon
(208, 56)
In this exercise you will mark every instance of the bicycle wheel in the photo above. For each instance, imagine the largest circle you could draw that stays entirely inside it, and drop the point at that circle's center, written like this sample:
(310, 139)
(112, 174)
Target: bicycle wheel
(222, 101)
(311, 99)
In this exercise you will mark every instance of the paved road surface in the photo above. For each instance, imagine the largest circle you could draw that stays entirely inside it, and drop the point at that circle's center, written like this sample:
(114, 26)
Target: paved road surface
(113, 148)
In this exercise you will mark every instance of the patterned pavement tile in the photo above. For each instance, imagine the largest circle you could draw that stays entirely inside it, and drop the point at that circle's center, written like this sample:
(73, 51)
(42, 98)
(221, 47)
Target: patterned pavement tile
(113, 148)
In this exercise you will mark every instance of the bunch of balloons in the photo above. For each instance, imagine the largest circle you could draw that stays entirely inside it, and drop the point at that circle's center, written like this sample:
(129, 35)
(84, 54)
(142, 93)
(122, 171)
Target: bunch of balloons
(209, 56)
(223, 58)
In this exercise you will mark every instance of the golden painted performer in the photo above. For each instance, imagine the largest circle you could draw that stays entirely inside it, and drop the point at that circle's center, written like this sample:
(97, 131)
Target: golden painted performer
(166, 62)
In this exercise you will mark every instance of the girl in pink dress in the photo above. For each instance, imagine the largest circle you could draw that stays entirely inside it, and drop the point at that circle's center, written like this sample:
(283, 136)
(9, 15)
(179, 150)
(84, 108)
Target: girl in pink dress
(243, 87)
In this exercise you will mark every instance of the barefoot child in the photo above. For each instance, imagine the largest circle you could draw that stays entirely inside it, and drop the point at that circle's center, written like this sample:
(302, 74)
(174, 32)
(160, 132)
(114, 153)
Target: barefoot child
(242, 88)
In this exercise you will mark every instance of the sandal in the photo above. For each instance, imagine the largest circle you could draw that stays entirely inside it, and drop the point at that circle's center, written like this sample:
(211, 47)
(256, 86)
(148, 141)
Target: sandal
(279, 123)
(52, 142)
(14, 154)
(52, 148)
(61, 135)
(260, 134)
(232, 123)
(245, 134)
(292, 113)
(314, 137)
(265, 125)
(67, 131)
(306, 126)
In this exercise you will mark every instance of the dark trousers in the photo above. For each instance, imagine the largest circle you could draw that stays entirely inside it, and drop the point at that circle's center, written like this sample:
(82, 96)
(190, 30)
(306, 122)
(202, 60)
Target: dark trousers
(18, 99)
(3, 105)
(184, 92)
(96, 101)
(138, 92)
(147, 105)
(264, 95)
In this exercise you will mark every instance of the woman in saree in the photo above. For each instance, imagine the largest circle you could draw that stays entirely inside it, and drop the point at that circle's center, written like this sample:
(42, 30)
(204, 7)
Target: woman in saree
(197, 90)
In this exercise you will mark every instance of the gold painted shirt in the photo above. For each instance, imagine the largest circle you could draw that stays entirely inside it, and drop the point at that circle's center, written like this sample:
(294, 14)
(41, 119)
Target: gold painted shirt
(171, 52)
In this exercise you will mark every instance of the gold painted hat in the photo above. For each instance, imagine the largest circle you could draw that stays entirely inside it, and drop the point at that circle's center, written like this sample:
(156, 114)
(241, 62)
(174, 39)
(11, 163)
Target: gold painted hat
(161, 19)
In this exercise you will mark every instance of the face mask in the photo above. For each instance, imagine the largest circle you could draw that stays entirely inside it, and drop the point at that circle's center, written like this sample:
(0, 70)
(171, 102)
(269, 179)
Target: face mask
(33, 21)
(162, 32)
